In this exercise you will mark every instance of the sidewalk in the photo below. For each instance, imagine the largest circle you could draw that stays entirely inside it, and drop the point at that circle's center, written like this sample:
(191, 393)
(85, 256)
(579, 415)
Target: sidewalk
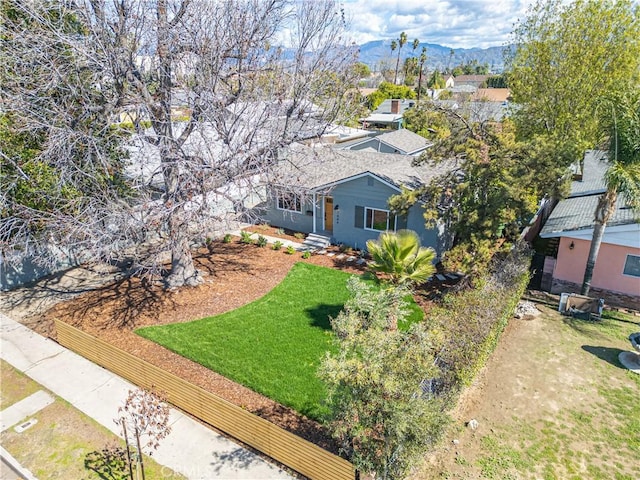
(191, 449)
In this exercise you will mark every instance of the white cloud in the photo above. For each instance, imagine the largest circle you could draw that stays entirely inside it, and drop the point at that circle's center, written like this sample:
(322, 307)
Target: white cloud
(452, 23)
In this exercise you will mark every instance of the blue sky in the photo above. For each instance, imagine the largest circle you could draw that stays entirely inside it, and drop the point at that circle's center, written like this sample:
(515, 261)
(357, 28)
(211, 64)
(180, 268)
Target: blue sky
(452, 23)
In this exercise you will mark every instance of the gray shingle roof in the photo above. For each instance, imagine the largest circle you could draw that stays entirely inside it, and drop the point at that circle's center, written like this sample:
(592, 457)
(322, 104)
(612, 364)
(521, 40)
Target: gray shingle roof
(322, 167)
(404, 140)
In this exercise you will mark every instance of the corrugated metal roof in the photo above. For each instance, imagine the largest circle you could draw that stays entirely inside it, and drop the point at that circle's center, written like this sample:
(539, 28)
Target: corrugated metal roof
(578, 214)
(578, 211)
(595, 165)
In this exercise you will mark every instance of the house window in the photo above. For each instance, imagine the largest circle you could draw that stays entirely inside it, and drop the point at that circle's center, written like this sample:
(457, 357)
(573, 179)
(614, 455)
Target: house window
(290, 202)
(380, 220)
(632, 266)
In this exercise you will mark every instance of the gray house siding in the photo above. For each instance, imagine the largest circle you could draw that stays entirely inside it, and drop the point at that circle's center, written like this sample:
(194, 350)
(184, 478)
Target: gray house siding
(372, 193)
(350, 201)
(296, 221)
(429, 237)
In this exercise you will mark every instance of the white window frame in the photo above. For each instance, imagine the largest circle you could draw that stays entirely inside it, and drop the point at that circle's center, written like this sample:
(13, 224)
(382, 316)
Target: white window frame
(625, 265)
(388, 212)
(296, 200)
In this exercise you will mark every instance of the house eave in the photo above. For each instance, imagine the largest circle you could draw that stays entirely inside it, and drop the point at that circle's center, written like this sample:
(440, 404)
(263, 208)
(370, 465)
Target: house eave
(327, 186)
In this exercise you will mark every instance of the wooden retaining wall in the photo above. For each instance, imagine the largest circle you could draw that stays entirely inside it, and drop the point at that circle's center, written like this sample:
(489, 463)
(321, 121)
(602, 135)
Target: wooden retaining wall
(281, 445)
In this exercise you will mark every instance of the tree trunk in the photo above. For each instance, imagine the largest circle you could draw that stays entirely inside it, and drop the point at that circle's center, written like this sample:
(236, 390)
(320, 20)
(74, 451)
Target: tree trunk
(183, 270)
(604, 211)
(395, 77)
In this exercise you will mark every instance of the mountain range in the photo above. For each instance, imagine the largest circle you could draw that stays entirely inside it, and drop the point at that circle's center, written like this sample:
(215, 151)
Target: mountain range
(439, 57)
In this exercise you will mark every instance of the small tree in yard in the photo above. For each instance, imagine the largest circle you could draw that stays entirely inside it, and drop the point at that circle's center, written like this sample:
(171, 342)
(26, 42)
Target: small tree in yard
(379, 411)
(144, 417)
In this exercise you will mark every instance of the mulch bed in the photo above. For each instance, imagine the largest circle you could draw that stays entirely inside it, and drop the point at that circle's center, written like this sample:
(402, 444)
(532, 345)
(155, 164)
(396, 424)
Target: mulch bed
(235, 274)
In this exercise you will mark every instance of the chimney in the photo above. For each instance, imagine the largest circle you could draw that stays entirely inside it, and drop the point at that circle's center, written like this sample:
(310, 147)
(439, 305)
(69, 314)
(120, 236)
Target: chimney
(395, 106)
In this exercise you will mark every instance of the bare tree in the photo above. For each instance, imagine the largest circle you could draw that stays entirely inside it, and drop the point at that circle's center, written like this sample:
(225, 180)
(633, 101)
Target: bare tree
(159, 117)
(144, 416)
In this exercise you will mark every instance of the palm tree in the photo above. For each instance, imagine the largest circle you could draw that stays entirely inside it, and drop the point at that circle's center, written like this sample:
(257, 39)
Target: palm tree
(400, 256)
(451, 54)
(401, 42)
(423, 59)
(622, 178)
(411, 64)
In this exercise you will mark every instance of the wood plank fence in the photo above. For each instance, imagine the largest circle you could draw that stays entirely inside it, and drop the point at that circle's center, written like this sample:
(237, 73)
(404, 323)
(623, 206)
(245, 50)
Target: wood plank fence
(275, 442)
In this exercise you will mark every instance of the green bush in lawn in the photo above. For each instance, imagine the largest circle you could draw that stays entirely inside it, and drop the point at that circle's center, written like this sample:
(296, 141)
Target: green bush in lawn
(273, 345)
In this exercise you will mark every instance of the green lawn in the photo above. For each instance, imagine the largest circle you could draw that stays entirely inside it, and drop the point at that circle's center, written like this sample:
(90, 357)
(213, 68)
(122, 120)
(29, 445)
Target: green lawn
(275, 344)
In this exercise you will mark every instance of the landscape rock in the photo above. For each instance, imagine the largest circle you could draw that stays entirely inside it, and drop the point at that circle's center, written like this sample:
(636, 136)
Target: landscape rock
(526, 310)
(472, 424)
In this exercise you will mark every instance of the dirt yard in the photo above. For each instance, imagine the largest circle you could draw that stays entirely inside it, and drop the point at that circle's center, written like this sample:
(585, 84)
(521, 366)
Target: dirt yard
(552, 402)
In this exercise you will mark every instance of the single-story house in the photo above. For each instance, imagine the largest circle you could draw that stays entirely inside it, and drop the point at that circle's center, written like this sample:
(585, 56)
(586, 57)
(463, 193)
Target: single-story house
(471, 80)
(343, 195)
(404, 142)
(388, 114)
(616, 276)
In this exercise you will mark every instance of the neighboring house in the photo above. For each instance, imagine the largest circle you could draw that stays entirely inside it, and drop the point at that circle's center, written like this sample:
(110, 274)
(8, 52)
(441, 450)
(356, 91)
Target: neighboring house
(616, 276)
(450, 81)
(342, 134)
(402, 141)
(492, 95)
(470, 80)
(343, 195)
(476, 111)
(389, 114)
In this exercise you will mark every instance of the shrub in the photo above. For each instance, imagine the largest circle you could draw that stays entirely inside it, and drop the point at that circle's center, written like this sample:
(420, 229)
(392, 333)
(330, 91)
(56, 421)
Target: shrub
(262, 241)
(470, 321)
(306, 255)
(299, 235)
(290, 250)
(280, 231)
(277, 245)
(345, 248)
(245, 237)
(227, 238)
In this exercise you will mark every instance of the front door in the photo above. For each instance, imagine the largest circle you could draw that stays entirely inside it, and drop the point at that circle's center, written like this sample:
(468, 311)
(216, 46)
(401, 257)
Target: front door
(328, 213)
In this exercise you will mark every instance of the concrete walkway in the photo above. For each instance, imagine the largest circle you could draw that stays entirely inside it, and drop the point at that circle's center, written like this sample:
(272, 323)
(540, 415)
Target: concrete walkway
(190, 449)
(271, 240)
(24, 408)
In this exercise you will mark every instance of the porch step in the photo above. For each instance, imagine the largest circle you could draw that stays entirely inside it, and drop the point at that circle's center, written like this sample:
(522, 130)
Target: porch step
(315, 241)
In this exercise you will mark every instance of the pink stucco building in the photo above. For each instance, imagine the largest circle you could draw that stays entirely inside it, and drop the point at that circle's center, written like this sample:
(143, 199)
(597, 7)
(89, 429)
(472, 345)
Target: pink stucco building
(616, 276)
